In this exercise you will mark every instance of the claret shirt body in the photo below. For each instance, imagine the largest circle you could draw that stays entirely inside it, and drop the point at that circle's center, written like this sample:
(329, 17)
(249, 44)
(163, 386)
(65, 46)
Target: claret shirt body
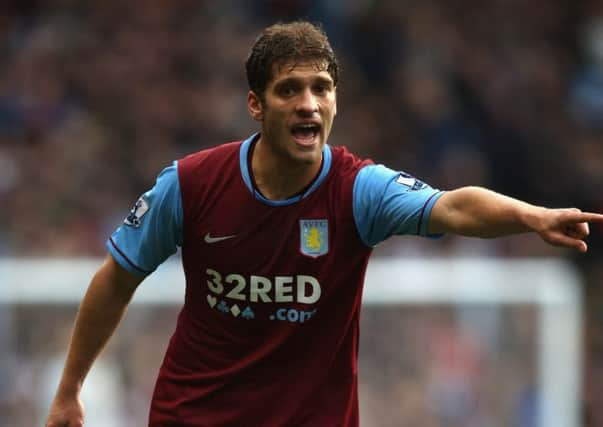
(268, 334)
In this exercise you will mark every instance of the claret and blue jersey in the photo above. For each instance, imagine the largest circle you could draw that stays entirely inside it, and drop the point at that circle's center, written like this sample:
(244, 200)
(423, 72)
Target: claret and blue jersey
(268, 334)
(385, 203)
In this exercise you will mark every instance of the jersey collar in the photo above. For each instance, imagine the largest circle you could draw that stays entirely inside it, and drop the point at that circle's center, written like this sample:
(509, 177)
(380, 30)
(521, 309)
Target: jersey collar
(244, 165)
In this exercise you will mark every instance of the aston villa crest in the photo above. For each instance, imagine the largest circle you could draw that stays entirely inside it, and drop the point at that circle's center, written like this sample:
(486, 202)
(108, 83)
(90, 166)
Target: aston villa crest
(314, 237)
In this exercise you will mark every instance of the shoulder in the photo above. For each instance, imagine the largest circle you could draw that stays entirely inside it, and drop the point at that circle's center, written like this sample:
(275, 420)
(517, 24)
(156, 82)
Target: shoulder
(207, 170)
(218, 153)
(210, 163)
(345, 162)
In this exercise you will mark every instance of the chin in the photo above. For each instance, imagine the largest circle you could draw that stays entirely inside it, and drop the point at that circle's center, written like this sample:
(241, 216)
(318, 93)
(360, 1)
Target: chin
(307, 158)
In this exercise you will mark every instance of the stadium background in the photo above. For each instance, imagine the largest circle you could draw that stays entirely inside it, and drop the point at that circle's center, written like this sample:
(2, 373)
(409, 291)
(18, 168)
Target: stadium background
(97, 97)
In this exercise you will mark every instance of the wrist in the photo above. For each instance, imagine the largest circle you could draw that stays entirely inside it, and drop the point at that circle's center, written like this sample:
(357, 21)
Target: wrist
(533, 218)
(69, 389)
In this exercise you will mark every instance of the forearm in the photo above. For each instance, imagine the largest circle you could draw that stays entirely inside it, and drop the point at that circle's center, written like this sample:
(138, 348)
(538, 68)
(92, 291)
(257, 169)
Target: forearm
(100, 312)
(478, 212)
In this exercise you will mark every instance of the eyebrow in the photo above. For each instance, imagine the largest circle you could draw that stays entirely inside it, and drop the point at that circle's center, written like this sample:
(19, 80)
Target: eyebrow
(293, 79)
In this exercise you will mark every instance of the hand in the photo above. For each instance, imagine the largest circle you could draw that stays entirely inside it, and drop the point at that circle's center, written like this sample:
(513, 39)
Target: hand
(66, 413)
(567, 227)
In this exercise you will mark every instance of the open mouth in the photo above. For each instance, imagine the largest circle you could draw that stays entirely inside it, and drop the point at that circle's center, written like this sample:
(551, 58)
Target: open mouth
(305, 133)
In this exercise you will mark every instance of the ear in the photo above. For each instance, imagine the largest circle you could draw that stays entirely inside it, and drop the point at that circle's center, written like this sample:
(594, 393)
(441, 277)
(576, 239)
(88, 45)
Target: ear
(254, 106)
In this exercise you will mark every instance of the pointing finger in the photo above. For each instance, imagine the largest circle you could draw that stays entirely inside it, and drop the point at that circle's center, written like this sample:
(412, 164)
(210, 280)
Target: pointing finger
(589, 217)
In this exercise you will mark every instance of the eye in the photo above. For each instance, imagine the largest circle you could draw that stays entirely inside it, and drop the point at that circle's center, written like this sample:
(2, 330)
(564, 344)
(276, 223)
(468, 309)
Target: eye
(286, 90)
(322, 88)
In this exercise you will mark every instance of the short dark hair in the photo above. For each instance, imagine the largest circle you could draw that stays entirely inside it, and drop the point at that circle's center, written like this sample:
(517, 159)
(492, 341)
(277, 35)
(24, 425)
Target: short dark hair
(284, 43)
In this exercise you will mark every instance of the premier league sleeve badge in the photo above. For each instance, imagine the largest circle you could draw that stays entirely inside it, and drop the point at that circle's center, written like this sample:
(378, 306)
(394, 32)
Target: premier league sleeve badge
(136, 213)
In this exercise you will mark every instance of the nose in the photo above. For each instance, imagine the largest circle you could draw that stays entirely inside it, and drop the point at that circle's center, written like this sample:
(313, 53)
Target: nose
(308, 104)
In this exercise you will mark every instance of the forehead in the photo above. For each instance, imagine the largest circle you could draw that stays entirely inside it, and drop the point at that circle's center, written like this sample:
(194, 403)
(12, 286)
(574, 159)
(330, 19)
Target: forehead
(301, 70)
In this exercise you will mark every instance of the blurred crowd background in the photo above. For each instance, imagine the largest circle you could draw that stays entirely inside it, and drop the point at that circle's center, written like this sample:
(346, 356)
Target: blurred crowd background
(97, 97)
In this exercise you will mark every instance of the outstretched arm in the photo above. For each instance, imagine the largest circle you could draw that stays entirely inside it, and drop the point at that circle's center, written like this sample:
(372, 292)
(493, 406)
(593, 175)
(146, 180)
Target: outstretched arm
(477, 212)
(99, 314)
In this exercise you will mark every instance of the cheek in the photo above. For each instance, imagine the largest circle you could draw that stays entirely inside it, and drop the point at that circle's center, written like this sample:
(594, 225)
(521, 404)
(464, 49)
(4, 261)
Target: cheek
(279, 119)
(334, 104)
(332, 114)
(275, 123)
(331, 107)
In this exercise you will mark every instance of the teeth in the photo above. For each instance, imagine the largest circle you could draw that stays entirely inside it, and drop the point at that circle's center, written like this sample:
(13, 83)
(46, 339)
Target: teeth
(305, 130)
(307, 126)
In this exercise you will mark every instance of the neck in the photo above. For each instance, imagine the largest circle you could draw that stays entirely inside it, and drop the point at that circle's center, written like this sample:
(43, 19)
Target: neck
(277, 178)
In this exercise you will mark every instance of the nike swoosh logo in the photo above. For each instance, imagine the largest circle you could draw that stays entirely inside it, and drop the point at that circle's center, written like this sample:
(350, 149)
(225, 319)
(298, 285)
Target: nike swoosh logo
(209, 239)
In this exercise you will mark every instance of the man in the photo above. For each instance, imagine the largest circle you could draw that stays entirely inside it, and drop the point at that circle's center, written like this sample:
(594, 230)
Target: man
(276, 232)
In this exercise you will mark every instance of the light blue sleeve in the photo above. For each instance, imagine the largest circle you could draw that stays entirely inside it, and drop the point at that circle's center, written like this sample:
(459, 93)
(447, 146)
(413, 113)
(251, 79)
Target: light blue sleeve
(388, 202)
(153, 229)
